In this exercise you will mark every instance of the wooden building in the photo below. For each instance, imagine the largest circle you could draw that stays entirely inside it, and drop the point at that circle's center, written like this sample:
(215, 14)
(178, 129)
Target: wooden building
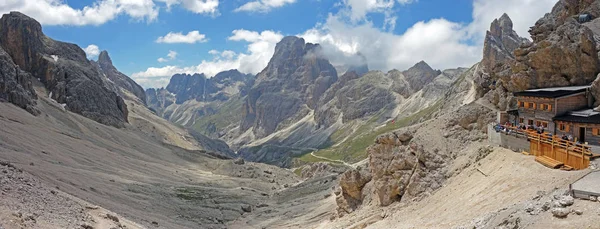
(561, 111)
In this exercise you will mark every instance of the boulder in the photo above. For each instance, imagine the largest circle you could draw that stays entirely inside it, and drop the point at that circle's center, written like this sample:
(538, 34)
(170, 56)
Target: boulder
(352, 182)
(566, 201)
(560, 212)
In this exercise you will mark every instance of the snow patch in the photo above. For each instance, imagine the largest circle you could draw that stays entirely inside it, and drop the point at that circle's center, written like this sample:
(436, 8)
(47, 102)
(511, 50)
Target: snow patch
(55, 57)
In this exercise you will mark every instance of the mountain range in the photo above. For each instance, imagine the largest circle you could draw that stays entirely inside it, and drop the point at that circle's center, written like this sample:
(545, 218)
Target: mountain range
(302, 144)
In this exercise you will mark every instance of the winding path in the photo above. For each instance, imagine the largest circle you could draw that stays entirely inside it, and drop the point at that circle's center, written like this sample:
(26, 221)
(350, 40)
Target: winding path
(327, 159)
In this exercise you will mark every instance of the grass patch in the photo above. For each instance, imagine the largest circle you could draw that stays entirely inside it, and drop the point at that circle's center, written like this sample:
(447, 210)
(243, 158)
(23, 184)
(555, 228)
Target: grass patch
(227, 113)
(354, 148)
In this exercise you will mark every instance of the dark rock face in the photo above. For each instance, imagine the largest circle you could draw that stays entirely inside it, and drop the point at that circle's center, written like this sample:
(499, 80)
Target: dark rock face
(15, 85)
(119, 79)
(158, 99)
(63, 68)
(295, 77)
(201, 88)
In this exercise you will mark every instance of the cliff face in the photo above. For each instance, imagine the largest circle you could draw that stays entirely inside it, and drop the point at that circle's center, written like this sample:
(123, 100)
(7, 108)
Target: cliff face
(117, 80)
(564, 52)
(15, 85)
(295, 79)
(63, 68)
(221, 87)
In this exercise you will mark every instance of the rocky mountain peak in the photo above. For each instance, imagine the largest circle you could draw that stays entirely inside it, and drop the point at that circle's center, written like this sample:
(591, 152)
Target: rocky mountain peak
(500, 42)
(295, 79)
(63, 68)
(420, 74)
(104, 59)
(18, 31)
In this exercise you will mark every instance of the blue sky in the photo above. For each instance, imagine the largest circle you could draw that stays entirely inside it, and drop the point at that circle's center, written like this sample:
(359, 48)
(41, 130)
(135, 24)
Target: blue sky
(242, 34)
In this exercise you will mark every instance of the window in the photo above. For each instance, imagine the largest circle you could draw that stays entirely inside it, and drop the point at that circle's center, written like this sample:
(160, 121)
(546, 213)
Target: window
(545, 124)
(563, 127)
(595, 131)
(533, 106)
(521, 104)
(542, 107)
(549, 107)
(521, 120)
(530, 122)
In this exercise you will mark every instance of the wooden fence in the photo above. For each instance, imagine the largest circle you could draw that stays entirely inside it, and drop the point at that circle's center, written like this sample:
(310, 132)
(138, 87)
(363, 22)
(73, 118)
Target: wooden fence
(571, 154)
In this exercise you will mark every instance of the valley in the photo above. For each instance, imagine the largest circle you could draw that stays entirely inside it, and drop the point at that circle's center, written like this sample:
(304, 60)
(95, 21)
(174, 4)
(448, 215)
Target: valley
(307, 142)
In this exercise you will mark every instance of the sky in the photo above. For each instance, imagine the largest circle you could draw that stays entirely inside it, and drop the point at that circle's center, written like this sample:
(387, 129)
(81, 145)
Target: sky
(150, 40)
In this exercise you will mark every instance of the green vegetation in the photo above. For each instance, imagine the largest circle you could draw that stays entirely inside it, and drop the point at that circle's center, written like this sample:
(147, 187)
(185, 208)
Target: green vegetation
(227, 113)
(353, 149)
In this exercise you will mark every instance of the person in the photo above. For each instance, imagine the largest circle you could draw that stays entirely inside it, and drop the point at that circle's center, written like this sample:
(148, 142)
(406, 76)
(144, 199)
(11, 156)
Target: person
(570, 137)
(564, 137)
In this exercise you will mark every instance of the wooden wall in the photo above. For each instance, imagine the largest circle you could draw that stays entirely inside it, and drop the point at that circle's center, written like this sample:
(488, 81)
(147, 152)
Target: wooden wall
(574, 131)
(571, 103)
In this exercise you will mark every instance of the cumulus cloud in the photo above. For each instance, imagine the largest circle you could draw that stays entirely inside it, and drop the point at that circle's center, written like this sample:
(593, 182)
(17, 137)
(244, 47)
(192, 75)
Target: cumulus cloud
(57, 12)
(172, 55)
(263, 6)
(189, 38)
(259, 51)
(440, 42)
(91, 51)
(198, 6)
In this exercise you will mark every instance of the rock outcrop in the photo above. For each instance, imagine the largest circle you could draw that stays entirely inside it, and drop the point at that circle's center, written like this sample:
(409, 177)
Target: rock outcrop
(564, 52)
(63, 68)
(350, 195)
(411, 163)
(201, 88)
(293, 82)
(118, 80)
(498, 53)
(15, 85)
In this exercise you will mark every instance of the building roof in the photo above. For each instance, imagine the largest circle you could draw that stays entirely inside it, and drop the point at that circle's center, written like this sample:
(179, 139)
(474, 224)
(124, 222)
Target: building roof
(552, 92)
(581, 116)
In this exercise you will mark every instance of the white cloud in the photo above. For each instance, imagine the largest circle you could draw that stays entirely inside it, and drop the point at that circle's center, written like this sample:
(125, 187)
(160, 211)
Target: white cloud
(189, 38)
(91, 51)
(57, 12)
(210, 7)
(260, 49)
(172, 55)
(263, 6)
(439, 42)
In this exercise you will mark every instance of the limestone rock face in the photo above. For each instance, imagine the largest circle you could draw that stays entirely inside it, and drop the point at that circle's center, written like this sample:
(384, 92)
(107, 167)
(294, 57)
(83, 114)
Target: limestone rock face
(352, 182)
(351, 194)
(118, 79)
(201, 88)
(564, 52)
(403, 171)
(15, 85)
(295, 79)
(63, 68)
(498, 53)
(500, 42)
(565, 57)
